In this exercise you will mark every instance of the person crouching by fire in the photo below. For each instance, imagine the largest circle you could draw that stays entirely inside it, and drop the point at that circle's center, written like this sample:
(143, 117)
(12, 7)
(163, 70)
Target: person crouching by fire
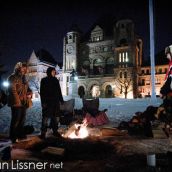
(166, 93)
(51, 96)
(19, 98)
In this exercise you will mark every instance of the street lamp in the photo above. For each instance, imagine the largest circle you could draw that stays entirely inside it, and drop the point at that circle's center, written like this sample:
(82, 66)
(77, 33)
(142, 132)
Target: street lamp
(73, 86)
(5, 84)
(74, 76)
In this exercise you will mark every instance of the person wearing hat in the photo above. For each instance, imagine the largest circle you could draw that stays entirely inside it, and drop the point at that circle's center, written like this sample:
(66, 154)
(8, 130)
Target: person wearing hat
(18, 95)
(51, 96)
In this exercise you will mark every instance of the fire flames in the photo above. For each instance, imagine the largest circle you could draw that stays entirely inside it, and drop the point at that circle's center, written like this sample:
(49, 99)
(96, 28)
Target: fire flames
(80, 131)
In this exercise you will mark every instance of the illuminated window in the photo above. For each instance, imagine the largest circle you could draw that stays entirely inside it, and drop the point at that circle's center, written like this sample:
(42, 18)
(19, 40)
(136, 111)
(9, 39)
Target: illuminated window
(123, 56)
(119, 57)
(126, 57)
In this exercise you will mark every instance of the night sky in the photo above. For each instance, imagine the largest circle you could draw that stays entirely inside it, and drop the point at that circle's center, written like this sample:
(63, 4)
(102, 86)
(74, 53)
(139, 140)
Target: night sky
(32, 25)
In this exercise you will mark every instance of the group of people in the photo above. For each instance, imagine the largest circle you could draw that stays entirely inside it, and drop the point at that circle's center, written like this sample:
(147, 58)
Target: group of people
(19, 99)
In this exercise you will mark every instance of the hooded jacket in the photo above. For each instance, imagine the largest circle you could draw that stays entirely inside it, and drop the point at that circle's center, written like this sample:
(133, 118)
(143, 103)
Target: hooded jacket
(50, 90)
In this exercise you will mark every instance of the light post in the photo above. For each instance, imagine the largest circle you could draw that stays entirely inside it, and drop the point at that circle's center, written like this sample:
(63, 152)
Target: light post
(73, 89)
(152, 49)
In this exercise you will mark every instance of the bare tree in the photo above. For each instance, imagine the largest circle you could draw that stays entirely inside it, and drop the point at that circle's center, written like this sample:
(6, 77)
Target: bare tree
(124, 84)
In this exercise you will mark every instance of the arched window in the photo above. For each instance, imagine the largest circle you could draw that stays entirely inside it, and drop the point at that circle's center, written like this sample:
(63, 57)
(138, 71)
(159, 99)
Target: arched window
(108, 91)
(125, 74)
(120, 74)
(81, 91)
(95, 91)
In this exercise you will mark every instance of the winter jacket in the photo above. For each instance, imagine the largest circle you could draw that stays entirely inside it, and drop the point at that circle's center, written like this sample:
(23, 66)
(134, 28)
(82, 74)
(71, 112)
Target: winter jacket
(18, 90)
(166, 88)
(50, 91)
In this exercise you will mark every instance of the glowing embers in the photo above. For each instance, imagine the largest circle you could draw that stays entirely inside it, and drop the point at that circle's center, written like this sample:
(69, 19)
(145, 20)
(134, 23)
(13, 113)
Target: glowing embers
(80, 132)
(77, 131)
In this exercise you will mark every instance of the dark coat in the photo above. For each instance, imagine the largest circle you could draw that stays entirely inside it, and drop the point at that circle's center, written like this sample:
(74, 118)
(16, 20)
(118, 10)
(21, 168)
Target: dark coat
(50, 91)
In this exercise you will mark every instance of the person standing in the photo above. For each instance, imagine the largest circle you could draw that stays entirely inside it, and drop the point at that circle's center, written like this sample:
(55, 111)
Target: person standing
(51, 97)
(166, 93)
(18, 95)
(166, 89)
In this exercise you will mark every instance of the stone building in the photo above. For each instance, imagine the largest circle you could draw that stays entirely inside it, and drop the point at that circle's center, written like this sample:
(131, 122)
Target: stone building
(107, 62)
(145, 84)
(103, 63)
(37, 66)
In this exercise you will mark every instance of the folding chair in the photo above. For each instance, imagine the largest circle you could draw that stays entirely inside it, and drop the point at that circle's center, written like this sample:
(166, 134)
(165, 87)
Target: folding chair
(92, 115)
(67, 112)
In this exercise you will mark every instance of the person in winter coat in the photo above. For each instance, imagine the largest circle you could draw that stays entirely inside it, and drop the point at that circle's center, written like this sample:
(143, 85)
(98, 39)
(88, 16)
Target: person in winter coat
(51, 97)
(18, 95)
(166, 89)
(166, 92)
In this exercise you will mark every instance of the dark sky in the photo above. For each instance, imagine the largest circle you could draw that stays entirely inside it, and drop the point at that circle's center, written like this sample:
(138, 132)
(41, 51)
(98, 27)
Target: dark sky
(31, 25)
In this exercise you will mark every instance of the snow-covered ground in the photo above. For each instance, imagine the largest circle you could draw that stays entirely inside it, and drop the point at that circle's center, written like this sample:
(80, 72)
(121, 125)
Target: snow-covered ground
(118, 110)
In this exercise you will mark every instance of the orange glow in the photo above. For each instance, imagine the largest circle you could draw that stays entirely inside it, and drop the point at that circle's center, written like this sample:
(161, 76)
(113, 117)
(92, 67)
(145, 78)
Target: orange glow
(80, 132)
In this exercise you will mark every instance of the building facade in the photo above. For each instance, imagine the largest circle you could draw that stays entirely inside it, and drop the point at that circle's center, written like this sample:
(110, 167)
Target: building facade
(106, 65)
(38, 63)
(100, 65)
(145, 84)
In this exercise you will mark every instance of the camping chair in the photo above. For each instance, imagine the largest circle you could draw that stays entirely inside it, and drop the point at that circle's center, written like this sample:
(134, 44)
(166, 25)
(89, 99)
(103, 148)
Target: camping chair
(67, 112)
(92, 115)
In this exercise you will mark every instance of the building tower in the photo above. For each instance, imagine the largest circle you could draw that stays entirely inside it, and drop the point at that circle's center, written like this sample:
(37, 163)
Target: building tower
(70, 60)
(128, 52)
(70, 55)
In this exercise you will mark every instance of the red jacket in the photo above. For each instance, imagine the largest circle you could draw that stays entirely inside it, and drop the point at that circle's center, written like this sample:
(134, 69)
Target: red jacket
(169, 71)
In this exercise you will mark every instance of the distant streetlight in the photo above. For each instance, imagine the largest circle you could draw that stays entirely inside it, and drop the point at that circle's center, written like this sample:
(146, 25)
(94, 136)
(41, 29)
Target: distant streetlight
(74, 76)
(6, 84)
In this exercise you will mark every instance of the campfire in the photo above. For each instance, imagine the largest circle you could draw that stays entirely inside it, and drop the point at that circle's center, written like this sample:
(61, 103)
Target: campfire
(80, 132)
(77, 131)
